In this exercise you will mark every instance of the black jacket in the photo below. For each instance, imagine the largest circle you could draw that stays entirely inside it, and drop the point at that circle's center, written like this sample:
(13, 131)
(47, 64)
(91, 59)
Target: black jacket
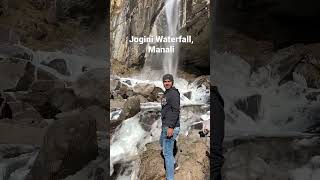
(170, 112)
(218, 116)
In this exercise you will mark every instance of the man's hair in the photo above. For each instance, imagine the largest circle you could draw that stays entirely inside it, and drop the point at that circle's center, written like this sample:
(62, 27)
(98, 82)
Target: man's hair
(167, 76)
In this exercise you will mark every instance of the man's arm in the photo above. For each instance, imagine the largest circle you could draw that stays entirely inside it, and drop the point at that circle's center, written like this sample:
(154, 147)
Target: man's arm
(174, 102)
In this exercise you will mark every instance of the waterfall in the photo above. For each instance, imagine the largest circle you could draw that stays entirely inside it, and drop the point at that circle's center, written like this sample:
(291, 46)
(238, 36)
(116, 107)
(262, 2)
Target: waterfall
(170, 60)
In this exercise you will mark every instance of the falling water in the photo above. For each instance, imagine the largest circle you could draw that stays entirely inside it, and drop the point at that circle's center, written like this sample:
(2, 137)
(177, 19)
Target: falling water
(170, 61)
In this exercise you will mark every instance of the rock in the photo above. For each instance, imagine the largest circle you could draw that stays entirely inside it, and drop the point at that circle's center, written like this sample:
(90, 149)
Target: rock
(69, 144)
(155, 94)
(26, 80)
(197, 126)
(144, 89)
(125, 91)
(310, 73)
(44, 75)
(116, 104)
(60, 66)
(287, 66)
(250, 106)
(202, 81)
(15, 150)
(193, 162)
(91, 85)
(40, 101)
(188, 94)
(126, 55)
(15, 52)
(267, 157)
(195, 57)
(11, 165)
(115, 84)
(313, 96)
(64, 99)
(147, 118)
(11, 71)
(29, 117)
(99, 116)
(40, 32)
(46, 85)
(315, 128)
(4, 6)
(131, 107)
(6, 111)
(114, 125)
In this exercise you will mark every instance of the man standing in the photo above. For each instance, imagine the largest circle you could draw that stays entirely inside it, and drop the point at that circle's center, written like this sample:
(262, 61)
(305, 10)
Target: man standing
(218, 116)
(170, 116)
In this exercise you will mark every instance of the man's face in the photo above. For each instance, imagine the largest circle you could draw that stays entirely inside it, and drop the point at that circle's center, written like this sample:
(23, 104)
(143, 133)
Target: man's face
(167, 84)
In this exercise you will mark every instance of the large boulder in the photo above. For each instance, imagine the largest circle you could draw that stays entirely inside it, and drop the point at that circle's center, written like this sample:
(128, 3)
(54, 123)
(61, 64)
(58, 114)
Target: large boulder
(59, 65)
(40, 101)
(26, 80)
(99, 115)
(143, 89)
(91, 85)
(193, 162)
(263, 157)
(154, 96)
(63, 99)
(114, 84)
(25, 115)
(11, 71)
(131, 107)
(147, 119)
(69, 144)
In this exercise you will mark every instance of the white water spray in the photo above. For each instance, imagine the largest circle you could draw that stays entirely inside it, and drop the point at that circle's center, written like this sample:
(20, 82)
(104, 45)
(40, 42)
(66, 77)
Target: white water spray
(170, 60)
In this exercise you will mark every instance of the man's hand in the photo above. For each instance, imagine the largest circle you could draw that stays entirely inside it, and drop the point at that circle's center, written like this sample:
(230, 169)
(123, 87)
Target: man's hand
(170, 132)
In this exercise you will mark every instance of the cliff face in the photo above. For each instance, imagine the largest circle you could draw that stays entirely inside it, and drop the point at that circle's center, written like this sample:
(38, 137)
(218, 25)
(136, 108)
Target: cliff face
(130, 18)
(138, 18)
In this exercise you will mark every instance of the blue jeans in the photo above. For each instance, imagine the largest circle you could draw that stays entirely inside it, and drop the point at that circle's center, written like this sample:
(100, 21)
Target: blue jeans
(167, 145)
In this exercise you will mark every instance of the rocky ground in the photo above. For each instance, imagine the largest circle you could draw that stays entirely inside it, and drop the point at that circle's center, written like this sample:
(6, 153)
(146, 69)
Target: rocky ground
(193, 162)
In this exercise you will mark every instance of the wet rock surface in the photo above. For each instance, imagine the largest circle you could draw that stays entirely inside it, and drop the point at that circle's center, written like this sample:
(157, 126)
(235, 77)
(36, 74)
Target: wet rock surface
(193, 162)
(266, 157)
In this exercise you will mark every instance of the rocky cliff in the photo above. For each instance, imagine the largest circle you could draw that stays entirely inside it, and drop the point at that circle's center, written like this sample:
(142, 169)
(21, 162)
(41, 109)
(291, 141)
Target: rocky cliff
(138, 18)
